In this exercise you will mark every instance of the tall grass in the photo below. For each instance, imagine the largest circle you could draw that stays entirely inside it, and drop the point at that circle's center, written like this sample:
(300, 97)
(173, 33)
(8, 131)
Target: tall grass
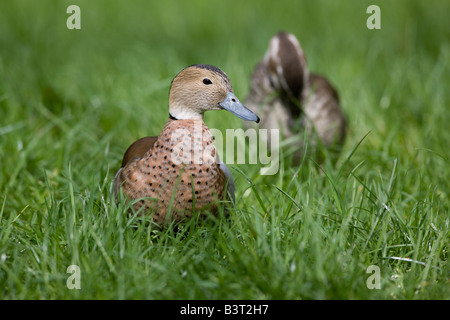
(71, 101)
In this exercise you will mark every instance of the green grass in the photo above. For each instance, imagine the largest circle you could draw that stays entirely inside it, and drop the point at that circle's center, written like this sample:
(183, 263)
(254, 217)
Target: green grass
(71, 101)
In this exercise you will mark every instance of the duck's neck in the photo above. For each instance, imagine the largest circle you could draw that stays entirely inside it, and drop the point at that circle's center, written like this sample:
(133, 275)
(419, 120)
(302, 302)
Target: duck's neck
(180, 113)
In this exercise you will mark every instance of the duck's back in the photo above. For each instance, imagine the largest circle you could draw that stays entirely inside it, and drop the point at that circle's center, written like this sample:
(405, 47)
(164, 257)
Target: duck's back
(323, 110)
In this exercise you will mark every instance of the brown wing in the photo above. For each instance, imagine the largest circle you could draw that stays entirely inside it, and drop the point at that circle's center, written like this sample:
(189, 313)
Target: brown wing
(138, 149)
(322, 86)
(135, 151)
(329, 120)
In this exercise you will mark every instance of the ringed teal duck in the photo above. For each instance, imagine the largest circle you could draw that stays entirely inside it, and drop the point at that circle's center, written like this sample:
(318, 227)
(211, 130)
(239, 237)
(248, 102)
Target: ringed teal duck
(177, 173)
(292, 99)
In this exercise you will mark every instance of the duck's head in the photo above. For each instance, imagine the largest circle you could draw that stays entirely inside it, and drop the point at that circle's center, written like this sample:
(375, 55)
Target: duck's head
(286, 64)
(201, 87)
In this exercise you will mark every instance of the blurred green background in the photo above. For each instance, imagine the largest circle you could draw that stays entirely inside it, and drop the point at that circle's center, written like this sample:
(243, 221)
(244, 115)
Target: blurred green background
(107, 84)
(82, 96)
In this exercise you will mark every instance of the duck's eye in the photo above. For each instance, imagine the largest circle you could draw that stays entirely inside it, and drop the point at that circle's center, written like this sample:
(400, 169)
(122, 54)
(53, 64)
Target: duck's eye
(207, 81)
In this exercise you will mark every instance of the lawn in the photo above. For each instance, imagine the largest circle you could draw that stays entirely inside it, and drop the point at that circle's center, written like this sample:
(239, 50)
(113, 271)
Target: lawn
(72, 101)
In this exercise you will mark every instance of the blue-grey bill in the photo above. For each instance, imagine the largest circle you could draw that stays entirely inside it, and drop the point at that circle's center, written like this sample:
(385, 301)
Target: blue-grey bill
(232, 104)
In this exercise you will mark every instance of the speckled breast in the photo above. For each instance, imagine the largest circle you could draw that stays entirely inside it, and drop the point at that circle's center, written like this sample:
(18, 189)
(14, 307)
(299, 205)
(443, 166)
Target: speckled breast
(179, 173)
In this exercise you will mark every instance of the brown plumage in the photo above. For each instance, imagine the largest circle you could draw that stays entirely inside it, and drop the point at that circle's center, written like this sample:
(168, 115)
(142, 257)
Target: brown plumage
(138, 149)
(178, 173)
(293, 100)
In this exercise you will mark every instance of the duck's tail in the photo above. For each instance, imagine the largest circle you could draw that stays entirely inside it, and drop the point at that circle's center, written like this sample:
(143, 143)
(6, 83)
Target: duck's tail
(286, 64)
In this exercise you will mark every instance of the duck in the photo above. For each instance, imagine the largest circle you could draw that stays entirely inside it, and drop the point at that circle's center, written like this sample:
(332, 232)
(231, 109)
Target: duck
(178, 173)
(304, 106)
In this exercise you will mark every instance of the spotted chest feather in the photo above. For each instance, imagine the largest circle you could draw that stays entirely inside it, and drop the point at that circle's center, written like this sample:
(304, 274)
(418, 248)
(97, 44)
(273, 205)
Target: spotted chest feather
(177, 175)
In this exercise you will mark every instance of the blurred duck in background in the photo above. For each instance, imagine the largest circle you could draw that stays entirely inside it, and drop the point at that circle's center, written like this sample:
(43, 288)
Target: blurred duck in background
(304, 106)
